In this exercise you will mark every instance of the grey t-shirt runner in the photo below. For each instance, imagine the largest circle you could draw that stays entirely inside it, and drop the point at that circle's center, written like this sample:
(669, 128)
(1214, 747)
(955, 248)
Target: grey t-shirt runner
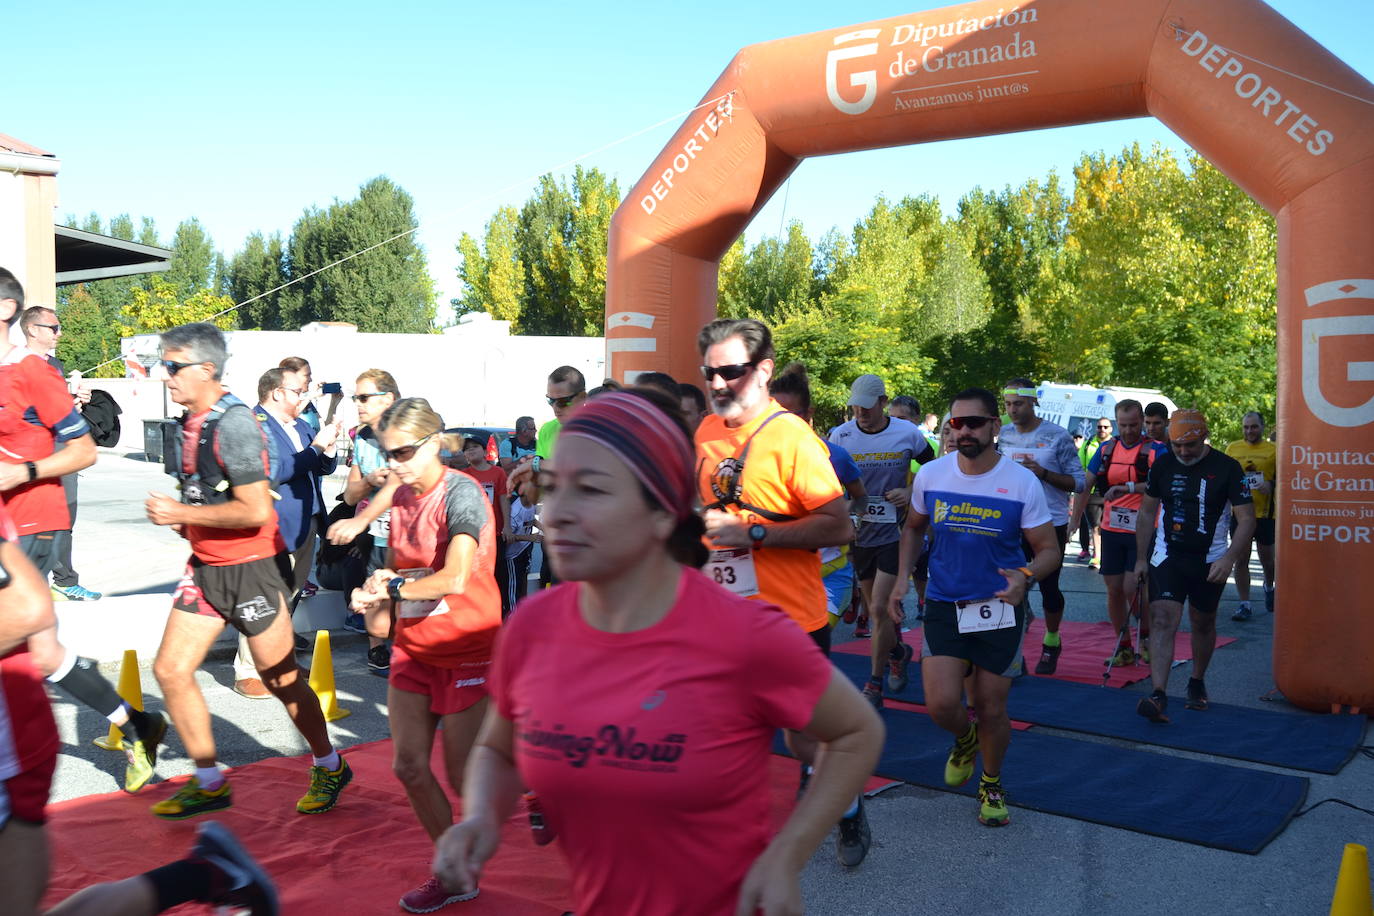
(1052, 448)
(884, 459)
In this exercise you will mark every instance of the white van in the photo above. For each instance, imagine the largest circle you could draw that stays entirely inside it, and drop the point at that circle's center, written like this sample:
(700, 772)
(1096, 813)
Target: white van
(1077, 408)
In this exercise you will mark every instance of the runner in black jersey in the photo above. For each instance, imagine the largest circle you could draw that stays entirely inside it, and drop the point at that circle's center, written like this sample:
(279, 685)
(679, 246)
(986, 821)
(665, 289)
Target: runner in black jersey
(1191, 494)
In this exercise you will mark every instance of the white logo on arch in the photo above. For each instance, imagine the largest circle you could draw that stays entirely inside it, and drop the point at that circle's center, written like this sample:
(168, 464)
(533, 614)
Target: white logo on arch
(867, 80)
(1314, 330)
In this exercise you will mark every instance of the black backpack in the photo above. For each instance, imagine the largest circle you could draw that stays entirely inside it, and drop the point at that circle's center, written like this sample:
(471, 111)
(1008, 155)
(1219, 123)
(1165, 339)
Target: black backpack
(342, 567)
(102, 413)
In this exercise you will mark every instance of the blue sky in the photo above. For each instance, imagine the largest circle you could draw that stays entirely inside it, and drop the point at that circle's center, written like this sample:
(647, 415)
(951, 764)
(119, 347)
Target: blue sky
(243, 115)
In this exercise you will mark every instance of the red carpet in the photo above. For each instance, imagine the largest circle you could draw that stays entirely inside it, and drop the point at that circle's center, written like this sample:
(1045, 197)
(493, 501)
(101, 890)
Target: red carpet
(1086, 647)
(358, 858)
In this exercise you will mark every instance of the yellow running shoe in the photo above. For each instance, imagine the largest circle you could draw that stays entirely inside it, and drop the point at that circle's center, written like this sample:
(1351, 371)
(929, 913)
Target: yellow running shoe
(142, 755)
(325, 786)
(992, 800)
(191, 800)
(959, 765)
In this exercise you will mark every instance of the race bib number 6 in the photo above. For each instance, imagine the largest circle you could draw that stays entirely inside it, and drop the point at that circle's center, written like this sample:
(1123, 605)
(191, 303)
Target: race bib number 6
(986, 614)
(733, 568)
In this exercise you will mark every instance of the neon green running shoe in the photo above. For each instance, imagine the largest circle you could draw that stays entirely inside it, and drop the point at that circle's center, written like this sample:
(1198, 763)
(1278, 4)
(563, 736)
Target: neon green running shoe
(142, 755)
(959, 765)
(992, 801)
(325, 787)
(191, 800)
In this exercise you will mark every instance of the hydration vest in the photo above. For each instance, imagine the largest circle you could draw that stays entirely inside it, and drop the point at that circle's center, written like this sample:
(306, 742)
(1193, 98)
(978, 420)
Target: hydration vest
(207, 485)
(1143, 458)
(736, 484)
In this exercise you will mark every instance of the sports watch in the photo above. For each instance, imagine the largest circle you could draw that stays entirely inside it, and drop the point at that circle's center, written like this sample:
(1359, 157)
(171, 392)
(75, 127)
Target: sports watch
(756, 534)
(393, 588)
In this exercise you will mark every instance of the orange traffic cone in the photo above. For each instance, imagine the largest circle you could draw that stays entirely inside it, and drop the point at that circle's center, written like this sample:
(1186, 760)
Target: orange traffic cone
(131, 692)
(1352, 884)
(322, 678)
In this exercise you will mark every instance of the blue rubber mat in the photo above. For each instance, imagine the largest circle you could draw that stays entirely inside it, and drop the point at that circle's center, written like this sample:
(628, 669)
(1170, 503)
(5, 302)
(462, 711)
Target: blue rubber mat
(1299, 741)
(1210, 804)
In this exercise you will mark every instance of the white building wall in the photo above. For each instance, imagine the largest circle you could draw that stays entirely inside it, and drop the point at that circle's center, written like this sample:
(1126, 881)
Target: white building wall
(475, 373)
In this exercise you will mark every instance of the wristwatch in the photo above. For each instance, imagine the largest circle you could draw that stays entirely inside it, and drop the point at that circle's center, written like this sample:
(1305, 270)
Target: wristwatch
(756, 534)
(33, 470)
(1030, 576)
(393, 588)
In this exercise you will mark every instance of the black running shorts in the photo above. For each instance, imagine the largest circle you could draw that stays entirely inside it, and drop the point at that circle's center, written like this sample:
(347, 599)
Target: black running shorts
(1264, 531)
(248, 596)
(996, 651)
(1117, 555)
(1184, 578)
(821, 638)
(869, 561)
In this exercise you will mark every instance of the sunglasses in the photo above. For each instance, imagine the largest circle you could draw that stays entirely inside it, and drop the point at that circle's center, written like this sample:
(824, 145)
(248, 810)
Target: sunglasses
(1105, 426)
(55, 328)
(969, 422)
(405, 452)
(363, 398)
(562, 402)
(729, 373)
(174, 367)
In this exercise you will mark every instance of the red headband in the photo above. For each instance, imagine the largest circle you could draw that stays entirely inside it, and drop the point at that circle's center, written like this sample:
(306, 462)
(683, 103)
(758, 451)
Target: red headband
(646, 439)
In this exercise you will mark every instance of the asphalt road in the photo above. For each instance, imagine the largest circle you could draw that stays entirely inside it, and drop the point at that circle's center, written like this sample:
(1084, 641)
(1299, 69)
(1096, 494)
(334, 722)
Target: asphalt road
(930, 854)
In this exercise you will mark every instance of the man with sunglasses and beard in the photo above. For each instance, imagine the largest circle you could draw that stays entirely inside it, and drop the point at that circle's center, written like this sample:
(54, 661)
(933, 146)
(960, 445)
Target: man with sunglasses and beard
(770, 501)
(979, 504)
(237, 574)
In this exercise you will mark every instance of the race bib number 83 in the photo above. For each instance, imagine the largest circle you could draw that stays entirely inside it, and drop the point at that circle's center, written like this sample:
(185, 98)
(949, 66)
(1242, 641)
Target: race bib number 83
(733, 568)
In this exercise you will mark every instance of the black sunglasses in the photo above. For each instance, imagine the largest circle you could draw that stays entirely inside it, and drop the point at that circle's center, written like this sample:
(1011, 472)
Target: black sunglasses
(363, 398)
(405, 452)
(729, 373)
(55, 328)
(173, 367)
(975, 422)
(562, 402)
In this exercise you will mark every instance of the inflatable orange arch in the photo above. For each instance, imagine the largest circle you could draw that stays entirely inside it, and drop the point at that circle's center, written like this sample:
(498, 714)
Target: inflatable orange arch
(1284, 119)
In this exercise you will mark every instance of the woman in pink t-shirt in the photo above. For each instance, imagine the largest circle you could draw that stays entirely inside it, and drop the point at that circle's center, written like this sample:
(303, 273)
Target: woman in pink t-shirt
(639, 699)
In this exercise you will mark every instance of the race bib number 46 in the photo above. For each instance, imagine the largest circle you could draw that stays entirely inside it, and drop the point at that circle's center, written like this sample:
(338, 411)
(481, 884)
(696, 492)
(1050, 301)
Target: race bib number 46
(1253, 479)
(987, 614)
(879, 511)
(733, 568)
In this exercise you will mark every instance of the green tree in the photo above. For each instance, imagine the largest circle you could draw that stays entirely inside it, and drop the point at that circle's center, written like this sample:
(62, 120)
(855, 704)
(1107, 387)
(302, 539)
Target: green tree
(87, 340)
(253, 275)
(492, 273)
(192, 264)
(158, 308)
(385, 288)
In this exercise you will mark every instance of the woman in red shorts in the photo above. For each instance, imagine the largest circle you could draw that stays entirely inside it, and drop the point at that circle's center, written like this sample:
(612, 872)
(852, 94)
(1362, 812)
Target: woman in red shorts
(639, 699)
(447, 611)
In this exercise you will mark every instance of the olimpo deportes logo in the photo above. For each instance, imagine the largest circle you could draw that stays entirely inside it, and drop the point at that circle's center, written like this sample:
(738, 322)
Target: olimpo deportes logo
(865, 80)
(1314, 330)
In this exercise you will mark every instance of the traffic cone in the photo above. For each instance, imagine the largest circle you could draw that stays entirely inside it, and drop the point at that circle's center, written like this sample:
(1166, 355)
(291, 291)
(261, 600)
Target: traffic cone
(322, 678)
(1352, 884)
(131, 692)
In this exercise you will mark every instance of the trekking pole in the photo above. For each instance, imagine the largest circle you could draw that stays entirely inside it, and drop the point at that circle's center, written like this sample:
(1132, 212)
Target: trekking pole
(1140, 609)
(1123, 633)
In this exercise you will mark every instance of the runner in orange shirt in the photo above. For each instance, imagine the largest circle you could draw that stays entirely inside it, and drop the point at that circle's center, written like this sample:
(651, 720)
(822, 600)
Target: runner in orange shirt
(770, 501)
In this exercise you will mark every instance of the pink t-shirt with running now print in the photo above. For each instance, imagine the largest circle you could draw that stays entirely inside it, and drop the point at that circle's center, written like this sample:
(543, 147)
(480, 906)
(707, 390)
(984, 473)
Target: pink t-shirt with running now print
(649, 750)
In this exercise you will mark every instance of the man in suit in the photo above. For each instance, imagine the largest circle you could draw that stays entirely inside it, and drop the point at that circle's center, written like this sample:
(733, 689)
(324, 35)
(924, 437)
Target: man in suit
(298, 458)
(42, 330)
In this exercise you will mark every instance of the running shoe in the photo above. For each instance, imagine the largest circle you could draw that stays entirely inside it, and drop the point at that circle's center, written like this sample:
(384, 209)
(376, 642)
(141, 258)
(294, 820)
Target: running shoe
(431, 896)
(992, 802)
(309, 590)
(355, 623)
(1083, 555)
(1195, 697)
(854, 838)
(1269, 599)
(191, 800)
(1243, 612)
(540, 829)
(325, 787)
(959, 765)
(302, 643)
(897, 668)
(76, 593)
(142, 754)
(1092, 564)
(1124, 656)
(1154, 707)
(237, 880)
(850, 614)
(873, 693)
(1049, 659)
(379, 660)
(1144, 657)
(861, 630)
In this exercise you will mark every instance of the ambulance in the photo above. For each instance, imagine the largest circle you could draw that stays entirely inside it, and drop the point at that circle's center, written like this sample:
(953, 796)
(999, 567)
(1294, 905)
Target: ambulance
(1077, 408)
